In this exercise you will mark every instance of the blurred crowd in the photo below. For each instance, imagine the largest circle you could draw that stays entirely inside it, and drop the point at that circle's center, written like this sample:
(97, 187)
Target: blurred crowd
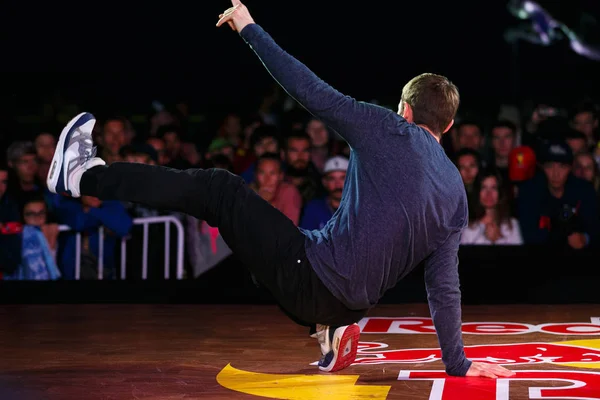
(530, 179)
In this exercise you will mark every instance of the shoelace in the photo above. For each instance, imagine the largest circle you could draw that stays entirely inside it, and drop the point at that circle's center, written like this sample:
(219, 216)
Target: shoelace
(321, 336)
(89, 152)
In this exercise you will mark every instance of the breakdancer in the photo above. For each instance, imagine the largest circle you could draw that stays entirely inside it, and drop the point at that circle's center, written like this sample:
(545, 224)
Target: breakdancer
(403, 204)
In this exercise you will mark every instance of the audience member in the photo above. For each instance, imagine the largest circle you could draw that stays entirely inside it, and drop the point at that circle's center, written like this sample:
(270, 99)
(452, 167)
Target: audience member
(319, 211)
(470, 136)
(490, 219)
(270, 185)
(320, 142)
(299, 169)
(534, 182)
(555, 207)
(38, 251)
(112, 138)
(504, 134)
(469, 163)
(85, 216)
(11, 227)
(265, 139)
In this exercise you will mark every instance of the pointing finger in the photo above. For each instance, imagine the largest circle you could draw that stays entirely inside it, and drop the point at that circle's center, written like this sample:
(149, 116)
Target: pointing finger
(236, 2)
(223, 19)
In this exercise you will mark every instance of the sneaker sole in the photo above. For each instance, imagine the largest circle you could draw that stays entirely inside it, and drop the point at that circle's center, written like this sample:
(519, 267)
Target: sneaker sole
(56, 167)
(345, 351)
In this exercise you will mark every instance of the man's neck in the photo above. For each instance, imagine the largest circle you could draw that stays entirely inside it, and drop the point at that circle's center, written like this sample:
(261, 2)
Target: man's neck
(27, 186)
(501, 162)
(490, 215)
(557, 192)
(430, 132)
(333, 203)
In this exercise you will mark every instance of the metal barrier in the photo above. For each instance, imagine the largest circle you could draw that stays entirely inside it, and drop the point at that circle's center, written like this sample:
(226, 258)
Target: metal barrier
(167, 220)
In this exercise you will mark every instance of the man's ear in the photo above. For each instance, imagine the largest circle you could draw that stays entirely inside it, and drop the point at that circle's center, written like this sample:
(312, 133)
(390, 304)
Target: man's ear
(407, 112)
(449, 126)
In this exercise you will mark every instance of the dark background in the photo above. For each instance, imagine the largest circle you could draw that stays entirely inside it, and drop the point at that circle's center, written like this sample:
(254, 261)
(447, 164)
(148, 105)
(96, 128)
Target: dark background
(119, 57)
(123, 54)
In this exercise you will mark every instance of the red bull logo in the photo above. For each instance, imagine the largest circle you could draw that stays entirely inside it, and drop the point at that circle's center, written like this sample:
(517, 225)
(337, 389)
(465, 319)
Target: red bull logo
(582, 385)
(503, 354)
(418, 325)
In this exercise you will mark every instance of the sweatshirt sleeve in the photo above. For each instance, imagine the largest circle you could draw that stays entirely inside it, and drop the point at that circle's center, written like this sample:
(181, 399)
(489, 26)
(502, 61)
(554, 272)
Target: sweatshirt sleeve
(444, 297)
(351, 119)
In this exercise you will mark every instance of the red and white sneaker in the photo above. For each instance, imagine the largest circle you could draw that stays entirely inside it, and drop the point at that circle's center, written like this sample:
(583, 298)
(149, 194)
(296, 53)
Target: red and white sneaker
(339, 345)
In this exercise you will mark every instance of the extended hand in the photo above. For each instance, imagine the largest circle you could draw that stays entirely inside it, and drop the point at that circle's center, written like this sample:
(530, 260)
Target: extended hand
(237, 16)
(488, 370)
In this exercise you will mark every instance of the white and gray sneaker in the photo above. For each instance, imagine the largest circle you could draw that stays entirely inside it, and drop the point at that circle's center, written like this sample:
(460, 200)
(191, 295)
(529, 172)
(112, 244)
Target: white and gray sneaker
(339, 345)
(75, 153)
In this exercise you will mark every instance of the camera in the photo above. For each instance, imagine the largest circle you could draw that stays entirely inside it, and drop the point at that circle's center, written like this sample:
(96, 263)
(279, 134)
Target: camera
(567, 213)
(567, 220)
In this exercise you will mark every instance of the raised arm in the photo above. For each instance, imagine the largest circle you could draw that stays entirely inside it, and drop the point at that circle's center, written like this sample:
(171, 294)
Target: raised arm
(351, 119)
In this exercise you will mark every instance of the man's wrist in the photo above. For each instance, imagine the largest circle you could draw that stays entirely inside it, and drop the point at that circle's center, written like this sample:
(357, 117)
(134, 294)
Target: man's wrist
(246, 26)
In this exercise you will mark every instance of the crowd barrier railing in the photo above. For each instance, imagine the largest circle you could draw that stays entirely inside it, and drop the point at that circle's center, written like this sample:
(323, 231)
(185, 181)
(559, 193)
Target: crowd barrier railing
(167, 220)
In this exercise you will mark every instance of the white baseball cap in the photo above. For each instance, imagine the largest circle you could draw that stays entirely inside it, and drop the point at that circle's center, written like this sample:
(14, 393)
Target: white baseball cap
(337, 163)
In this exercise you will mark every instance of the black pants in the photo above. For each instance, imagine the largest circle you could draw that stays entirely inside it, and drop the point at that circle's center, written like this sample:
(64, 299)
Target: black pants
(267, 241)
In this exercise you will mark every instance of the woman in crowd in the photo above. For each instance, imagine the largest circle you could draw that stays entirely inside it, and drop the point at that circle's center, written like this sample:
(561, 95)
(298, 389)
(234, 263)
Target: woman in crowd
(490, 218)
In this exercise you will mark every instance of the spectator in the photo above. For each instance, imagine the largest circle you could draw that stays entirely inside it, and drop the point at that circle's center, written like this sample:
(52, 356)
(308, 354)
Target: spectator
(35, 213)
(139, 153)
(265, 139)
(24, 182)
(522, 166)
(318, 211)
(504, 134)
(320, 143)
(584, 167)
(190, 154)
(231, 129)
(173, 140)
(490, 221)
(468, 162)
(11, 229)
(469, 135)
(113, 137)
(585, 120)
(86, 217)
(269, 184)
(556, 208)
(299, 170)
(45, 144)
(161, 118)
(244, 155)
(159, 146)
(38, 251)
(576, 141)
(220, 146)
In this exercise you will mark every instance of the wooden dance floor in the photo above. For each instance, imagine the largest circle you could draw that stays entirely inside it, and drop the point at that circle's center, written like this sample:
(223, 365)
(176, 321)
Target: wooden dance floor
(85, 352)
